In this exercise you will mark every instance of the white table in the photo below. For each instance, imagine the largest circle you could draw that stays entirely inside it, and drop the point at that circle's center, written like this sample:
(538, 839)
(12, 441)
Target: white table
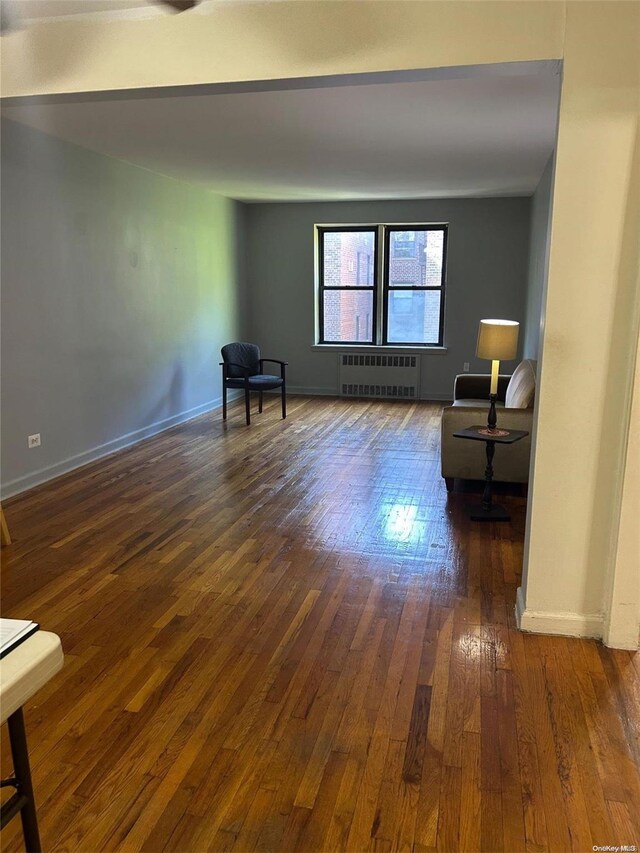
(23, 671)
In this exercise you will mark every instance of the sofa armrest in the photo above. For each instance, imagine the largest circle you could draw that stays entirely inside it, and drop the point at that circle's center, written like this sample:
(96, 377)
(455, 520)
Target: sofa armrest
(475, 386)
(466, 459)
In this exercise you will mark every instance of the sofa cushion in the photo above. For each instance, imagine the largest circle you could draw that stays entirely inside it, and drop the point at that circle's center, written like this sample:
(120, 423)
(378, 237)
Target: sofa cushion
(522, 386)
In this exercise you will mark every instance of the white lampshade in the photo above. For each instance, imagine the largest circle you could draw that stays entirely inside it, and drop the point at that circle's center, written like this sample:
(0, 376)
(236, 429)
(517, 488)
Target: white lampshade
(498, 339)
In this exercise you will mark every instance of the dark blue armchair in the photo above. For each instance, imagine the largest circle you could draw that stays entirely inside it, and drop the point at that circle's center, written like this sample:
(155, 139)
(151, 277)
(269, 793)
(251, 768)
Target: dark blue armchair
(242, 368)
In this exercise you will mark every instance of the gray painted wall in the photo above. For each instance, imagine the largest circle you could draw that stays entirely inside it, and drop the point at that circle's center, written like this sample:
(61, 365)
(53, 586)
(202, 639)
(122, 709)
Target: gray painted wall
(118, 289)
(538, 244)
(487, 277)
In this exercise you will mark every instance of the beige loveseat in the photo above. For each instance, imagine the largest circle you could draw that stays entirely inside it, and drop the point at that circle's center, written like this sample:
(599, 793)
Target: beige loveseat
(466, 459)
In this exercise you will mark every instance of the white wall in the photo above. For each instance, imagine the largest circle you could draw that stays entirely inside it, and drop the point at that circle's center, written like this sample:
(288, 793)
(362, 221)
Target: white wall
(538, 256)
(622, 622)
(118, 289)
(591, 327)
(265, 40)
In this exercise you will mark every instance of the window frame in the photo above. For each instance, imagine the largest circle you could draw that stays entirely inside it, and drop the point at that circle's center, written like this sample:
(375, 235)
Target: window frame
(321, 230)
(381, 287)
(387, 287)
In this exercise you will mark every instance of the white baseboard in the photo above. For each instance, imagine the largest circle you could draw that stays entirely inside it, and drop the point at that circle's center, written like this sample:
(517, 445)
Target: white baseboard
(626, 633)
(564, 623)
(57, 469)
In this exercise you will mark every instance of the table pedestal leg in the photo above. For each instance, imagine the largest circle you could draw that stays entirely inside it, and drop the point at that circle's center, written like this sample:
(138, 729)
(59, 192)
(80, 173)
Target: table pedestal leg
(22, 771)
(489, 511)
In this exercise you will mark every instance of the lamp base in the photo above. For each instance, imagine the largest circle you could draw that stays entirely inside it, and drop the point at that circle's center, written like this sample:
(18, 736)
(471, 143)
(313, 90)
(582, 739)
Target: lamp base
(494, 513)
(492, 418)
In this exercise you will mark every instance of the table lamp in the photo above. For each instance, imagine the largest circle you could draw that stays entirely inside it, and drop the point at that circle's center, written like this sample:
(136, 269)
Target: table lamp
(497, 341)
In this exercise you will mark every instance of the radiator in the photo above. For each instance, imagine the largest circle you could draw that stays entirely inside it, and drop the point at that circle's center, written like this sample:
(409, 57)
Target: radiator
(372, 375)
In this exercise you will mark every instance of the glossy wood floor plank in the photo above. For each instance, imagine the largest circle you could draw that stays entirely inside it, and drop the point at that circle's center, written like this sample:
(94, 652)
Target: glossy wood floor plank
(290, 637)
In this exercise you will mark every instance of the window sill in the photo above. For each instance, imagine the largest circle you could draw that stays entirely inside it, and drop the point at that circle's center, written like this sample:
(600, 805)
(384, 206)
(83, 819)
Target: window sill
(378, 350)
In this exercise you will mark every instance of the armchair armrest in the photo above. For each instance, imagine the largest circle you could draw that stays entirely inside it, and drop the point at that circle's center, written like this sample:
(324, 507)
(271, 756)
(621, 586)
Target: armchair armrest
(475, 386)
(283, 365)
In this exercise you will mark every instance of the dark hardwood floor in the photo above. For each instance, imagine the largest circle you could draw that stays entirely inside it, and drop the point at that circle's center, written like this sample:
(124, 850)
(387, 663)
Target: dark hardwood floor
(288, 637)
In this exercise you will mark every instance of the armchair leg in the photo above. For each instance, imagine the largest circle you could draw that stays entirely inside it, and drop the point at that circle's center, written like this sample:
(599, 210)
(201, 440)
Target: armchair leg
(449, 483)
(247, 405)
(284, 401)
(260, 401)
(224, 400)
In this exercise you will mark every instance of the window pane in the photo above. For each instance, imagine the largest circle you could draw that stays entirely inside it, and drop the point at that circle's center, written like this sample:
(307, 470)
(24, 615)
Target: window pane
(348, 258)
(415, 258)
(348, 315)
(414, 317)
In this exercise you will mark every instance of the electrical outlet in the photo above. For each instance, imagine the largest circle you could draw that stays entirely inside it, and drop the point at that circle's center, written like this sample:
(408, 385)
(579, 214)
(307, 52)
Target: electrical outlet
(466, 367)
(34, 440)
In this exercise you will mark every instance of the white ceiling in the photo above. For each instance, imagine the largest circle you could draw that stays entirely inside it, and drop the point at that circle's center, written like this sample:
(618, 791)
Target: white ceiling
(482, 136)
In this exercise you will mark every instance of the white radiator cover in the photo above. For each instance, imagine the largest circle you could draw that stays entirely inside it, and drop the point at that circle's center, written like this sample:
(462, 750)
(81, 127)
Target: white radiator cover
(384, 375)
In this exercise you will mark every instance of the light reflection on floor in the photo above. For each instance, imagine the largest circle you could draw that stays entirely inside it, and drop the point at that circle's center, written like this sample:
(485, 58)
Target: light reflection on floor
(366, 487)
(401, 523)
(377, 501)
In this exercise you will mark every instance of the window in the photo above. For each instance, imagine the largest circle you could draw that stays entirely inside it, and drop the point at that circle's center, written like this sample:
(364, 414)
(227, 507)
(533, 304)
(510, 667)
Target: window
(390, 298)
(414, 285)
(348, 273)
